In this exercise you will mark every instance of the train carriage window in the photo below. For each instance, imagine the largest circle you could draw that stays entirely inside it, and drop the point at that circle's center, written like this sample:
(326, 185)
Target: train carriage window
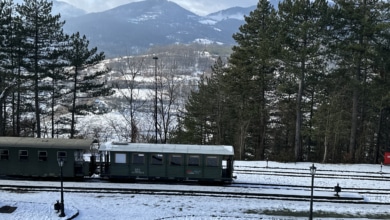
(42, 155)
(193, 160)
(120, 158)
(4, 154)
(176, 160)
(211, 161)
(78, 155)
(138, 158)
(157, 159)
(23, 154)
(62, 155)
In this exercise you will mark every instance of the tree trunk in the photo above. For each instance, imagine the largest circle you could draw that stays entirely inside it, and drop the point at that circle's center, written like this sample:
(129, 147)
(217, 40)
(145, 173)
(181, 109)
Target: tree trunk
(298, 123)
(354, 119)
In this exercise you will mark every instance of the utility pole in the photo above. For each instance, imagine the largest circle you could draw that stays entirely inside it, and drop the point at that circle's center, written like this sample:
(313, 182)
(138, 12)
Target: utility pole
(155, 58)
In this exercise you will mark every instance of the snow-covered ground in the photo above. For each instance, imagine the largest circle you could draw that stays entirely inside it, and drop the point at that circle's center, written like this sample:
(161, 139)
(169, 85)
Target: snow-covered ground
(39, 206)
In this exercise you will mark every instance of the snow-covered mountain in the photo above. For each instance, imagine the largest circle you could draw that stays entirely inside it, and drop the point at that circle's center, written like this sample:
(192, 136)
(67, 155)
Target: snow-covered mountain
(134, 27)
(236, 13)
(64, 9)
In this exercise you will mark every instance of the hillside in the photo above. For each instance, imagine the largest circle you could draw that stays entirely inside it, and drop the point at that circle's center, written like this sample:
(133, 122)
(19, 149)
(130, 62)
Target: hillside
(133, 28)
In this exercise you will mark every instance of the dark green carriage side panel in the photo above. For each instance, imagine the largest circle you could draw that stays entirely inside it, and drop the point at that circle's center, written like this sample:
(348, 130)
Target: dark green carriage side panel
(157, 165)
(176, 172)
(212, 167)
(37, 157)
(138, 171)
(119, 167)
(35, 166)
(139, 165)
(4, 167)
(195, 164)
(194, 167)
(119, 170)
(176, 166)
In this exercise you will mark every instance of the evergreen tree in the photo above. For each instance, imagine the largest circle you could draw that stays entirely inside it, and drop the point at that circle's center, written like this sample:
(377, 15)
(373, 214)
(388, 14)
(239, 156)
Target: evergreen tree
(252, 65)
(204, 117)
(87, 83)
(356, 27)
(219, 114)
(56, 88)
(196, 116)
(302, 29)
(378, 96)
(41, 32)
(5, 20)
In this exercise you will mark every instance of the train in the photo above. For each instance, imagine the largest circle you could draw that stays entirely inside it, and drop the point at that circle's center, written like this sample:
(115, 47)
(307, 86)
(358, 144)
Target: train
(82, 158)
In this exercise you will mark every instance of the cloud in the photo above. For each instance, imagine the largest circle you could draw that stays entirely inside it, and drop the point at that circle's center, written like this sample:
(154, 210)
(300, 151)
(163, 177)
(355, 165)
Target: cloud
(200, 7)
(97, 5)
(203, 7)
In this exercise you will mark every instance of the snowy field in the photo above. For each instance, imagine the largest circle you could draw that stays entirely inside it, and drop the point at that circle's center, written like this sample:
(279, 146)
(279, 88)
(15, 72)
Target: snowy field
(39, 206)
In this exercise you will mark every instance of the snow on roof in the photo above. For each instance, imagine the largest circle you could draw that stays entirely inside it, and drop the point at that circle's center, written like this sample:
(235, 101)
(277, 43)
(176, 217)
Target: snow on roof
(30, 142)
(168, 148)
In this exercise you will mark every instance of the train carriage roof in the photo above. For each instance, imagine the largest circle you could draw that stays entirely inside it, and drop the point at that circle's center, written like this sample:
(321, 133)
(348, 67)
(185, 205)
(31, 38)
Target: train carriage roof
(29, 142)
(168, 148)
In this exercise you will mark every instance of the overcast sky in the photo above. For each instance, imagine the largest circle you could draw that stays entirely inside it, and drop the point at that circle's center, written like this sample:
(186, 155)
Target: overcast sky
(200, 7)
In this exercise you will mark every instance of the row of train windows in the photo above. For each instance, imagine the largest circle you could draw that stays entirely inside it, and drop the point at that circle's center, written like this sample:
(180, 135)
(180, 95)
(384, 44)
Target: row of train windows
(174, 160)
(23, 155)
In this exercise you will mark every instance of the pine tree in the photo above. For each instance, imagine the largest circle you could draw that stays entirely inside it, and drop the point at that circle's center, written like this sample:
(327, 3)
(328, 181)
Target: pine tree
(219, 114)
(302, 28)
(87, 82)
(203, 118)
(252, 65)
(57, 87)
(380, 94)
(41, 32)
(5, 20)
(356, 27)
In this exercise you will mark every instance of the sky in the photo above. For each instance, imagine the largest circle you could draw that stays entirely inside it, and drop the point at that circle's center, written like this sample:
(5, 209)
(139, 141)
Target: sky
(200, 7)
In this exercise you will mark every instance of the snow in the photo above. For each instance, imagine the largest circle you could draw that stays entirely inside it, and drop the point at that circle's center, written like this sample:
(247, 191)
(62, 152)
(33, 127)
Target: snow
(208, 21)
(222, 16)
(39, 205)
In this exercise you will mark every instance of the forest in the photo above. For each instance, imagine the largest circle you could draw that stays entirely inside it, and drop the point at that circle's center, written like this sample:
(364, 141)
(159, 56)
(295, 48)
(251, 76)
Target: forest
(41, 66)
(306, 81)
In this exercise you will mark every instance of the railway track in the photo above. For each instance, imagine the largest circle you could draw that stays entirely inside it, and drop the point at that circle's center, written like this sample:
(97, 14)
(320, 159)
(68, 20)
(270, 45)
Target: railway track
(233, 191)
(324, 174)
(317, 188)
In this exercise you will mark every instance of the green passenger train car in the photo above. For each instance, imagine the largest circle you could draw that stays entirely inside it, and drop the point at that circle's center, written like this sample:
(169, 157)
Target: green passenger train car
(38, 157)
(167, 161)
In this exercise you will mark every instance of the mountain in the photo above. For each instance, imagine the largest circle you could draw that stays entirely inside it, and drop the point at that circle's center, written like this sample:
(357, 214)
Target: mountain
(66, 10)
(132, 28)
(236, 13)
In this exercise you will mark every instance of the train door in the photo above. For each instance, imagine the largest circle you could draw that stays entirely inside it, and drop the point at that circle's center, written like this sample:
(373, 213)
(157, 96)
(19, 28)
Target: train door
(176, 167)
(119, 166)
(212, 167)
(194, 167)
(157, 166)
(79, 162)
(104, 163)
(227, 167)
(138, 166)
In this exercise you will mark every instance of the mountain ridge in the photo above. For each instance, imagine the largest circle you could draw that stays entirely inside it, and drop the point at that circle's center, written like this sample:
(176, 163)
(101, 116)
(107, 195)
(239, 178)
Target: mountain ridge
(134, 27)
